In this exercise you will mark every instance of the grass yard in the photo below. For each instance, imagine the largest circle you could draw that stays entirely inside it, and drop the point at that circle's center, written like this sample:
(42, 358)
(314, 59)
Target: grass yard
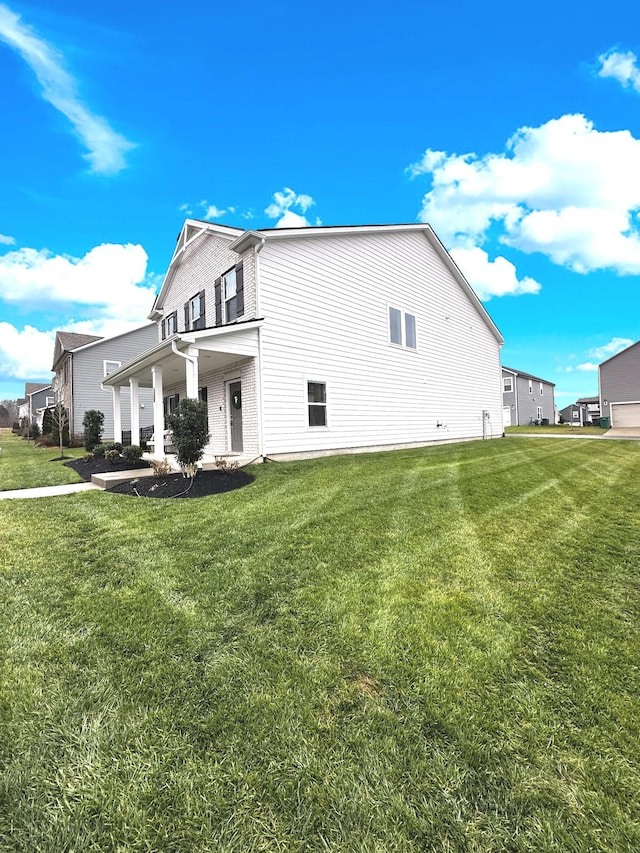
(425, 650)
(555, 429)
(25, 466)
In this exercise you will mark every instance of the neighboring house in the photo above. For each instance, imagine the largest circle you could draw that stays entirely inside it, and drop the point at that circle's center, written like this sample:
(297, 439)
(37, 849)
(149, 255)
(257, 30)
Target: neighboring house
(81, 362)
(305, 341)
(40, 397)
(526, 399)
(583, 412)
(619, 387)
(23, 408)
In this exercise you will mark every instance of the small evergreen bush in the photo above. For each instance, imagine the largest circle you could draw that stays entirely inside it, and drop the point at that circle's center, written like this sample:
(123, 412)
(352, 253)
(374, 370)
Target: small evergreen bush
(99, 449)
(112, 455)
(190, 434)
(132, 453)
(92, 422)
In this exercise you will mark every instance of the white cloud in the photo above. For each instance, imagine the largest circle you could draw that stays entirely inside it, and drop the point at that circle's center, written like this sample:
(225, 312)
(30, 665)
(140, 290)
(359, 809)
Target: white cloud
(108, 286)
(491, 278)
(209, 211)
(614, 346)
(110, 277)
(6, 241)
(25, 353)
(281, 209)
(623, 67)
(106, 148)
(564, 189)
(587, 366)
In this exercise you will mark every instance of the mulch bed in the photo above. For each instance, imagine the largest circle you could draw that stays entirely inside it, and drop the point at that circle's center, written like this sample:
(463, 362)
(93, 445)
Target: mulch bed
(168, 486)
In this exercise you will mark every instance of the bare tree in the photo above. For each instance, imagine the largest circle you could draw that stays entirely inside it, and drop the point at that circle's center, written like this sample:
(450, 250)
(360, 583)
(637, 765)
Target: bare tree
(60, 420)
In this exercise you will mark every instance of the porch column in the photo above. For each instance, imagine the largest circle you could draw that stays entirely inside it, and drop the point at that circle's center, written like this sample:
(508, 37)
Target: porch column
(135, 411)
(158, 413)
(117, 415)
(191, 367)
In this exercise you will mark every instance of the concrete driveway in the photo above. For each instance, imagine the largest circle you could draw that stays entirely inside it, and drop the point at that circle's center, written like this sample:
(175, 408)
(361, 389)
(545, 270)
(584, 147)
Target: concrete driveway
(623, 432)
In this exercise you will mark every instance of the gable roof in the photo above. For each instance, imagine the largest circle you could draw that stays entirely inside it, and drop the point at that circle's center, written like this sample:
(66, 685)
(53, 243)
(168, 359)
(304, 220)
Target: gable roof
(622, 352)
(527, 375)
(69, 341)
(34, 387)
(239, 241)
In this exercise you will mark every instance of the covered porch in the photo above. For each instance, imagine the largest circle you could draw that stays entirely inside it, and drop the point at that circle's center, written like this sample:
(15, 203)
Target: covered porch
(191, 365)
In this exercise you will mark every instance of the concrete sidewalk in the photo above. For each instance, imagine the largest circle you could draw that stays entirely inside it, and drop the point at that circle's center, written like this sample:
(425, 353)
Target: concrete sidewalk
(48, 491)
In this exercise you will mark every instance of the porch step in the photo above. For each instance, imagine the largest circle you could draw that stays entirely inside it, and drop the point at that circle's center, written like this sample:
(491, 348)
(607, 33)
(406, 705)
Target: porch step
(108, 479)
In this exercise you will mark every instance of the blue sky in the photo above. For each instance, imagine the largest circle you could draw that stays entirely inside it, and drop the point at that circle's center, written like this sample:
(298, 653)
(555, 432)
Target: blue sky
(514, 131)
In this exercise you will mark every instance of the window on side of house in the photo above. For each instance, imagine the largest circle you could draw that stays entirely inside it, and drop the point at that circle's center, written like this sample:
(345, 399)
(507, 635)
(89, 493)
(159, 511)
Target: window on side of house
(194, 314)
(402, 328)
(49, 402)
(111, 367)
(530, 387)
(317, 404)
(539, 413)
(541, 389)
(507, 383)
(170, 325)
(171, 404)
(229, 283)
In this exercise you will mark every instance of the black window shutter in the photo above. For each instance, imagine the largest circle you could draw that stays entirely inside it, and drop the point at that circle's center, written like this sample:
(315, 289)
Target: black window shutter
(218, 293)
(202, 321)
(164, 334)
(175, 322)
(187, 316)
(239, 290)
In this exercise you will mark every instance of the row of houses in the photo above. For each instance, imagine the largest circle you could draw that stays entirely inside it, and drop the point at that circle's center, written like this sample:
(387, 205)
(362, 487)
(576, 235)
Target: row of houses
(305, 341)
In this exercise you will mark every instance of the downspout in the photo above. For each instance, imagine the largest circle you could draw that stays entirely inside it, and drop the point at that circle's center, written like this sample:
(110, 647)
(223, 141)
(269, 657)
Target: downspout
(261, 448)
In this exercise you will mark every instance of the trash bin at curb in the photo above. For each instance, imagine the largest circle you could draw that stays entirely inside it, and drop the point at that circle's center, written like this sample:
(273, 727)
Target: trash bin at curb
(605, 423)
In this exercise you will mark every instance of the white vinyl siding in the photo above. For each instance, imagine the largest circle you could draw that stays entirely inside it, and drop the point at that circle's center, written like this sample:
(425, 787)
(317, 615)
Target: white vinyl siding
(312, 289)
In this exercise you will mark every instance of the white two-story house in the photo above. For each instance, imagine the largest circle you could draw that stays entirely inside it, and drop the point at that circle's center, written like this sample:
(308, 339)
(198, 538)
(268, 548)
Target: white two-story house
(319, 340)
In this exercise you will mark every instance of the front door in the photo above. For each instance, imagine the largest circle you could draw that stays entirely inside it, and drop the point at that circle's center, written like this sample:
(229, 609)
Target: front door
(506, 416)
(235, 416)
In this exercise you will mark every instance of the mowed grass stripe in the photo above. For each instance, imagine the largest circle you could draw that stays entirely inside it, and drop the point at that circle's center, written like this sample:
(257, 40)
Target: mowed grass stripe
(429, 649)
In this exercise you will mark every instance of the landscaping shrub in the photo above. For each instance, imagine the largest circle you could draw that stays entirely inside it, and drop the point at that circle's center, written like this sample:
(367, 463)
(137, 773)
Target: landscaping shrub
(190, 434)
(113, 445)
(112, 455)
(92, 422)
(99, 449)
(132, 453)
(47, 422)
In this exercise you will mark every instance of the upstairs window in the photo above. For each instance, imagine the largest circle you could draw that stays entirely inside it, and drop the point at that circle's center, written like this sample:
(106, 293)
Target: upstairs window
(530, 387)
(170, 325)
(402, 328)
(194, 313)
(507, 383)
(111, 367)
(541, 389)
(317, 404)
(230, 296)
(229, 291)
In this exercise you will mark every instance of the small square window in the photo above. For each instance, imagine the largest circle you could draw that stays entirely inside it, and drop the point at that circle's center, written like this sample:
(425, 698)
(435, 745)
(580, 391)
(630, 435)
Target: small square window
(317, 404)
(402, 328)
(111, 367)
(507, 383)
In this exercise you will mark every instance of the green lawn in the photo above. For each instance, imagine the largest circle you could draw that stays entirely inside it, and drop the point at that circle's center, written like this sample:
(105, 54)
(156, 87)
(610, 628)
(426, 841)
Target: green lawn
(556, 429)
(426, 650)
(25, 466)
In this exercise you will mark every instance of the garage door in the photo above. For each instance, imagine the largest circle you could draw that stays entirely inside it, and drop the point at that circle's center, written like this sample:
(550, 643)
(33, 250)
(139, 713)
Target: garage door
(625, 415)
